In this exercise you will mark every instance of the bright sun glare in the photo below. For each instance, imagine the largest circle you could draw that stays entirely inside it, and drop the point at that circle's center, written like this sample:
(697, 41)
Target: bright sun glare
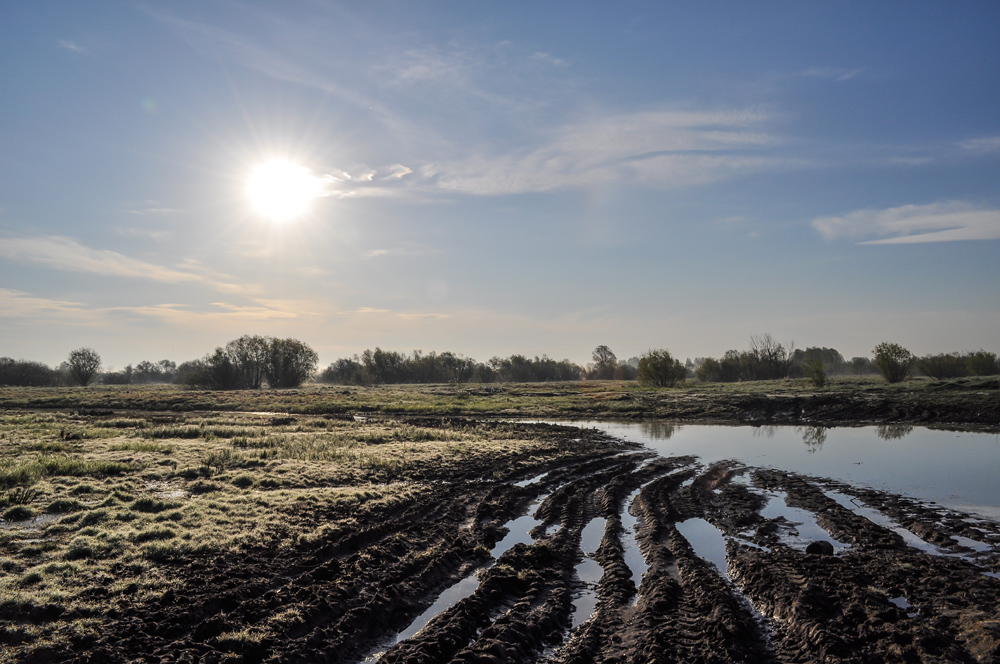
(282, 190)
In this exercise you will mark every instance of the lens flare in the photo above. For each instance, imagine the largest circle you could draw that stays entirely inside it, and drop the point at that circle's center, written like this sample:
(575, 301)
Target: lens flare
(282, 190)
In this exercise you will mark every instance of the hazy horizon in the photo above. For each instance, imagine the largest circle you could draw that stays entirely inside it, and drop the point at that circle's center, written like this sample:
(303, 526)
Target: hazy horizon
(497, 180)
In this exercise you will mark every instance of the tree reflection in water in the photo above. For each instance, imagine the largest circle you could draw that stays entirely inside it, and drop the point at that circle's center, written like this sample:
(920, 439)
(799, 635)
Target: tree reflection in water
(659, 430)
(813, 437)
(893, 431)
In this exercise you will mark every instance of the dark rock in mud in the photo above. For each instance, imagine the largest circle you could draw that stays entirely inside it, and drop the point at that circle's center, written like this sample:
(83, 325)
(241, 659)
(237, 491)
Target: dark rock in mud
(821, 547)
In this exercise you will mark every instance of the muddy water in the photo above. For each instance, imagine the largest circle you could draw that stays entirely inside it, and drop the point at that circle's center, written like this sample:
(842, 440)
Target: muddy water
(707, 541)
(802, 527)
(633, 556)
(952, 468)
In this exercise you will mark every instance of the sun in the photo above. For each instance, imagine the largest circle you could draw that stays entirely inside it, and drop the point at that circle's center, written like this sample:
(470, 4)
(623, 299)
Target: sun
(282, 190)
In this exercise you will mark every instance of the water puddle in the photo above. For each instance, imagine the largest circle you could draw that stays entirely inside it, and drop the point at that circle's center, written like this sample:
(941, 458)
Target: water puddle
(975, 545)
(900, 602)
(709, 544)
(32, 523)
(881, 519)
(803, 530)
(630, 542)
(707, 541)
(447, 599)
(585, 603)
(589, 571)
(519, 530)
(519, 533)
(532, 480)
(593, 533)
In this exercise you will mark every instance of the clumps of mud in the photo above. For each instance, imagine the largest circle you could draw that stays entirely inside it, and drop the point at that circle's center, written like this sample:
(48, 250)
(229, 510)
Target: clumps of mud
(872, 595)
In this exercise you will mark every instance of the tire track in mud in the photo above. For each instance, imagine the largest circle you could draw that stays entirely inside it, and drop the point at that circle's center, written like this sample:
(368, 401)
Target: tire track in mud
(878, 599)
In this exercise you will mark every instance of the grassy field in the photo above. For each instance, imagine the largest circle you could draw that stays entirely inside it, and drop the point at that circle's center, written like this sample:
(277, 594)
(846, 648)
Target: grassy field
(96, 509)
(974, 401)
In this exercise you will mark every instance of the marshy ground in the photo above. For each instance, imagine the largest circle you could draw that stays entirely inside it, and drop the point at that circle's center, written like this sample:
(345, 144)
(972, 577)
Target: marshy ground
(144, 535)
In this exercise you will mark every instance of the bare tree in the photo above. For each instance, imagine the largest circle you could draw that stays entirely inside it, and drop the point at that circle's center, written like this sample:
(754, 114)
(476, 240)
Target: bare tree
(770, 358)
(84, 364)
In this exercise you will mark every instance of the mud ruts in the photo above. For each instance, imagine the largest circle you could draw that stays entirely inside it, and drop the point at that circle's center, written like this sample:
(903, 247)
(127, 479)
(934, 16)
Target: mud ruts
(877, 599)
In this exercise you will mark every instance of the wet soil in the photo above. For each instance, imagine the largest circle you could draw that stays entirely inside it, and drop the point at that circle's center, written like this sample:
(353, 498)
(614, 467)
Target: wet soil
(351, 591)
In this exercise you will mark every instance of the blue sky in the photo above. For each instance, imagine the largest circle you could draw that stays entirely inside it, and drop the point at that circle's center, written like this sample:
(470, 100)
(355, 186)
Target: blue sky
(525, 177)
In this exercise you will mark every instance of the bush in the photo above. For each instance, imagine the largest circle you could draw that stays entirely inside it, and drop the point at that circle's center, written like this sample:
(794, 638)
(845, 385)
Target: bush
(893, 361)
(945, 365)
(84, 364)
(23, 373)
(659, 368)
(982, 363)
(246, 362)
(815, 371)
(289, 363)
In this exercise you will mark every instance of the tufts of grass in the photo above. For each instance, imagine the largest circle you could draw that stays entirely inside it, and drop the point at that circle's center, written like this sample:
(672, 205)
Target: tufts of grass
(244, 481)
(19, 513)
(30, 579)
(27, 471)
(63, 505)
(151, 505)
(140, 446)
(153, 535)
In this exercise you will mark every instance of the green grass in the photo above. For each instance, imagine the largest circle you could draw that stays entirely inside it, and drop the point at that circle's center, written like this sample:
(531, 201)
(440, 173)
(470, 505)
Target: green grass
(570, 399)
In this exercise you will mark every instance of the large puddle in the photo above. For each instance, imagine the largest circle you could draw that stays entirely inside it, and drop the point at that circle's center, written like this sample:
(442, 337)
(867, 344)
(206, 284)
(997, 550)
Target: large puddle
(956, 469)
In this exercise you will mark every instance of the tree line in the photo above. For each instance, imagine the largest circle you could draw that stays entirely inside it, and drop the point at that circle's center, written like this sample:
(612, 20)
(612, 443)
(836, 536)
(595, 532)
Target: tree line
(253, 362)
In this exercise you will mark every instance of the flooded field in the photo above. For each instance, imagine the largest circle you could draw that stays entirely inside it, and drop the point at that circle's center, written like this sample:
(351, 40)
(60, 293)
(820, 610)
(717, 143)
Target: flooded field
(957, 469)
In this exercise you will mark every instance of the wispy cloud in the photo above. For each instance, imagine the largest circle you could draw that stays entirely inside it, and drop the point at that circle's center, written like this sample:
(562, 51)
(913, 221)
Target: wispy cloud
(387, 313)
(73, 47)
(834, 73)
(404, 250)
(658, 148)
(63, 253)
(984, 145)
(255, 55)
(18, 304)
(154, 210)
(947, 221)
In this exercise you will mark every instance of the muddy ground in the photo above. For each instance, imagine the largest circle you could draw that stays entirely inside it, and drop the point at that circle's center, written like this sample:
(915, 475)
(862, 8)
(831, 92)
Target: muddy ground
(343, 595)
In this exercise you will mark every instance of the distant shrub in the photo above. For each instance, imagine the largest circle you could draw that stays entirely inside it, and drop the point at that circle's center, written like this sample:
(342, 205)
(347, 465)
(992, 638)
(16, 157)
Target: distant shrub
(24, 373)
(945, 365)
(982, 363)
(862, 365)
(815, 371)
(84, 365)
(893, 361)
(246, 363)
(659, 368)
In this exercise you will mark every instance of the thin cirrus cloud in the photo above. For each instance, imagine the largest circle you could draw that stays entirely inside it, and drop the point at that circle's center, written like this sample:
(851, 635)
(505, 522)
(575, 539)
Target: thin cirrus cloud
(948, 221)
(67, 254)
(73, 47)
(654, 148)
(983, 145)
(18, 304)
